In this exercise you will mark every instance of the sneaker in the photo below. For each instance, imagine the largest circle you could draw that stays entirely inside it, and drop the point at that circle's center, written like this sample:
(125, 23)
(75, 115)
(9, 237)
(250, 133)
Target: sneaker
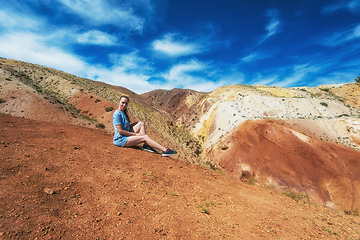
(168, 152)
(149, 149)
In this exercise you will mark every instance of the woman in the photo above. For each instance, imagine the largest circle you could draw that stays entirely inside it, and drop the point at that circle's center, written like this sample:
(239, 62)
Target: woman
(127, 135)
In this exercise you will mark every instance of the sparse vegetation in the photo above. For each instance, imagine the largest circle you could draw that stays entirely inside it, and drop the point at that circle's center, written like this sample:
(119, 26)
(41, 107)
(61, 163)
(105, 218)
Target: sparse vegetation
(204, 210)
(325, 89)
(2, 100)
(149, 174)
(109, 109)
(252, 181)
(330, 231)
(357, 80)
(175, 194)
(100, 125)
(324, 104)
(298, 196)
(352, 212)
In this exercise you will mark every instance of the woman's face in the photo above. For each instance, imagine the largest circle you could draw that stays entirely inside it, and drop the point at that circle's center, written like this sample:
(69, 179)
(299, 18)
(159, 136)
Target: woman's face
(123, 104)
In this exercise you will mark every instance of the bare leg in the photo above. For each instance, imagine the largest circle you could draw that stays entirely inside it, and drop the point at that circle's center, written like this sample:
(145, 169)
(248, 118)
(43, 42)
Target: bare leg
(135, 140)
(139, 127)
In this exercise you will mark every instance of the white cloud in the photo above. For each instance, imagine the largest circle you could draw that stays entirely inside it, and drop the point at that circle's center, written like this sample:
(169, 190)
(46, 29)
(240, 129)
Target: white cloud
(97, 38)
(181, 73)
(350, 5)
(12, 20)
(131, 62)
(335, 78)
(254, 56)
(199, 76)
(117, 75)
(300, 73)
(32, 48)
(251, 57)
(173, 47)
(267, 80)
(356, 32)
(340, 38)
(273, 26)
(100, 12)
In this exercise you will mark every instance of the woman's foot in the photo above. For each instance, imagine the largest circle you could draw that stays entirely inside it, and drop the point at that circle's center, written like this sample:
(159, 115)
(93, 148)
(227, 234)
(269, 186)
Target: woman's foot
(148, 148)
(168, 152)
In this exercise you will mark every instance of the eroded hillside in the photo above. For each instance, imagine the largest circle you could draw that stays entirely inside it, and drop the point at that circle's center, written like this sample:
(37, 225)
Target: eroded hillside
(320, 126)
(37, 92)
(281, 158)
(327, 118)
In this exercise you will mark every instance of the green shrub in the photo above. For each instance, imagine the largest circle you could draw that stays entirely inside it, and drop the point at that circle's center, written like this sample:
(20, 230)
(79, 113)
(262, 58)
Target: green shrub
(357, 80)
(324, 104)
(325, 89)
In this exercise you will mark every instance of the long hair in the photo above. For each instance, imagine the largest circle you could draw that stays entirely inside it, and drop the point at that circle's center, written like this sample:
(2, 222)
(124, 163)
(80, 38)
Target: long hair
(126, 111)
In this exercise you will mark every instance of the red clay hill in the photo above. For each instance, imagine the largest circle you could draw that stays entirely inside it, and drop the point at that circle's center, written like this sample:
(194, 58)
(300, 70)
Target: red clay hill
(281, 158)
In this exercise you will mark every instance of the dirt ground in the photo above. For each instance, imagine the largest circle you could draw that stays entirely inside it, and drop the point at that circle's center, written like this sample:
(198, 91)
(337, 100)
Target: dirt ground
(61, 181)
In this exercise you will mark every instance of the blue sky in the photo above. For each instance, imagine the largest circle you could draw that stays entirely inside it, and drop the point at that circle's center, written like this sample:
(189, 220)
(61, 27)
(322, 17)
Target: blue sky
(194, 44)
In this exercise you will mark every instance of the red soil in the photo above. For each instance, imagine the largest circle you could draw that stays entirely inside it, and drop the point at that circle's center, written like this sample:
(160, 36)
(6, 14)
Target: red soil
(330, 173)
(69, 182)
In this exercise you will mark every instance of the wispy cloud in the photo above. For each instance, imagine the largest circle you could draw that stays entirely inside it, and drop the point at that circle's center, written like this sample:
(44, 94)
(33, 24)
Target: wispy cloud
(96, 37)
(99, 12)
(290, 76)
(183, 73)
(265, 80)
(131, 62)
(273, 26)
(13, 20)
(175, 45)
(335, 78)
(350, 5)
(298, 75)
(340, 38)
(200, 76)
(255, 56)
(118, 76)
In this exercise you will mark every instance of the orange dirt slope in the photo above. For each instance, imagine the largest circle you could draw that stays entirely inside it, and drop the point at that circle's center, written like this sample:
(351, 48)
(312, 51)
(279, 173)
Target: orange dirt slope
(69, 182)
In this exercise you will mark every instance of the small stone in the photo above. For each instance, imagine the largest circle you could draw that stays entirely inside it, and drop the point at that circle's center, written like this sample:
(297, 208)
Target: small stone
(49, 191)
